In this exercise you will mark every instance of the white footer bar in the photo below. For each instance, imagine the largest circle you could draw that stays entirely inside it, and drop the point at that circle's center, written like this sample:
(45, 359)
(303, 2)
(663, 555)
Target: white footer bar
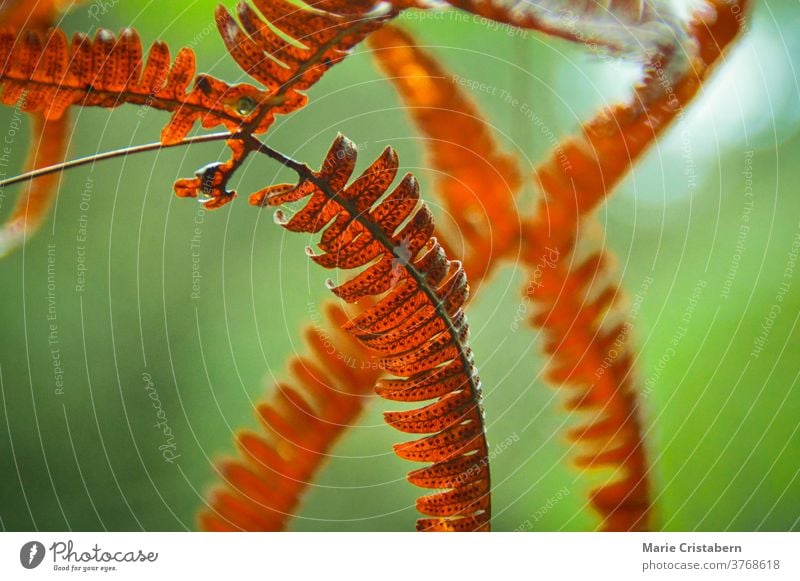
(399, 556)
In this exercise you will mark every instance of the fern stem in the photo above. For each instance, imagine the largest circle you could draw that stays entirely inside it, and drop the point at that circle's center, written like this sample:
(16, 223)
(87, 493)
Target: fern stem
(301, 169)
(124, 152)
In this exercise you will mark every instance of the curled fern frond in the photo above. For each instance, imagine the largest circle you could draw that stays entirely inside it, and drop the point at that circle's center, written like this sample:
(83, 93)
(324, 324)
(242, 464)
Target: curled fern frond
(302, 422)
(463, 168)
(417, 326)
(477, 182)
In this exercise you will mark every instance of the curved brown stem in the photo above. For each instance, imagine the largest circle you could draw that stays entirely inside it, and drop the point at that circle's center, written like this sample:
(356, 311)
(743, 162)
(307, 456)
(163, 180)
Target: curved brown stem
(124, 152)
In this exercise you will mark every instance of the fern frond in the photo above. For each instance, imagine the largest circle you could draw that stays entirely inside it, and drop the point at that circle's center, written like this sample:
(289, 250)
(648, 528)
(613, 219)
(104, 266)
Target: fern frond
(477, 182)
(575, 181)
(48, 143)
(580, 312)
(462, 180)
(47, 73)
(302, 422)
(417, 326)
(288, 48)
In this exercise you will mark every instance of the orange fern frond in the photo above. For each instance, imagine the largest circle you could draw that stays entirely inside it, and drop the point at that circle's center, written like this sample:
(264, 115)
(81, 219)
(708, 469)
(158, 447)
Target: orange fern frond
(458, 169)
(477, 182)
(262, 47)
(575, 181)
(579, 313)
(48, 143)
(417, 326)
(302, 422)
(48, 74)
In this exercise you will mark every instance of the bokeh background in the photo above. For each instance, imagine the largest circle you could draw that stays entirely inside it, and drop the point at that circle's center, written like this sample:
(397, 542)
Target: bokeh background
(721, 418)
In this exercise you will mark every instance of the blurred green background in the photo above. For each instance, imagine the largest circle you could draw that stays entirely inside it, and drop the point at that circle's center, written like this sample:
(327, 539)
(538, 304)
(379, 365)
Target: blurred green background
(722, 420)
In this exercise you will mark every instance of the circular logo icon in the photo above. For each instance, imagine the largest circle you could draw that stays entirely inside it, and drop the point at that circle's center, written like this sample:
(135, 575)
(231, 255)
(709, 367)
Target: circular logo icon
(31, 554)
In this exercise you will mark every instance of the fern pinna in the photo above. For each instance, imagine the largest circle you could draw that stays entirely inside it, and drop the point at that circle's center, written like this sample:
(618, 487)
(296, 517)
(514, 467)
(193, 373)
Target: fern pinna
(274, 59)
(417, 325)
(48, 74)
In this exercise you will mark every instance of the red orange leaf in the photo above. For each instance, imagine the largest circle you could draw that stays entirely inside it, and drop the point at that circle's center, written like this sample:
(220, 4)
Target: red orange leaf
(389, 237)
